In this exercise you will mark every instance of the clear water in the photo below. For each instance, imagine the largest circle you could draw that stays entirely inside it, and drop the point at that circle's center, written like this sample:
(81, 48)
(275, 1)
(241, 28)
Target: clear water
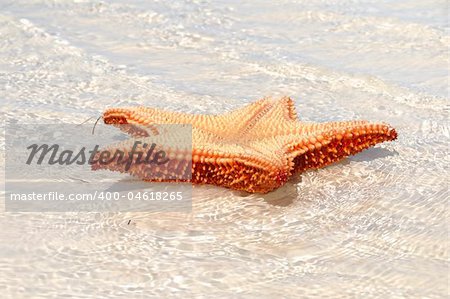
(373, 226)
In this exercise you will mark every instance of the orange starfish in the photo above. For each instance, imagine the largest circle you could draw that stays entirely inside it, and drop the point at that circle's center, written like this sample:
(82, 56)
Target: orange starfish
(256, 148)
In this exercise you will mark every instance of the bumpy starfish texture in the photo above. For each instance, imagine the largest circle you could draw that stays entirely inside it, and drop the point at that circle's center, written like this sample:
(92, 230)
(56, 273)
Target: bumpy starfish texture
(256, 148)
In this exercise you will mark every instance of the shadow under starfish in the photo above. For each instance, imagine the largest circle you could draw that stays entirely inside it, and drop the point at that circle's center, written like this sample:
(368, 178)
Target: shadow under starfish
(256, 148)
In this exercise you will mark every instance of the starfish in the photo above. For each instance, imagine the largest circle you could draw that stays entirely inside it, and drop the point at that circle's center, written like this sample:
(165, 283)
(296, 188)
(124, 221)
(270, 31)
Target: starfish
(256, 148)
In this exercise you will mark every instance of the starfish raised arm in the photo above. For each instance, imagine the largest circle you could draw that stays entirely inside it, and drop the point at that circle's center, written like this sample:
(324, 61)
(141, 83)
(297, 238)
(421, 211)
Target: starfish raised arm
(255, 148)
(326, 143)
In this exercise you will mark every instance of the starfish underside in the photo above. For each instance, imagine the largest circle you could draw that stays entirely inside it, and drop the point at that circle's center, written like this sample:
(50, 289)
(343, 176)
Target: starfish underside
(256, 148)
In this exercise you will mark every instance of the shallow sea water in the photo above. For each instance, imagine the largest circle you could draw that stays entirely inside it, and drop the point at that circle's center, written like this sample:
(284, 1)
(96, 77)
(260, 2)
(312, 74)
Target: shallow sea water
(372, 226)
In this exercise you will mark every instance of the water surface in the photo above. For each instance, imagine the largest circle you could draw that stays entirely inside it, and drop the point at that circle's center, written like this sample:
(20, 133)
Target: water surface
(372, 226)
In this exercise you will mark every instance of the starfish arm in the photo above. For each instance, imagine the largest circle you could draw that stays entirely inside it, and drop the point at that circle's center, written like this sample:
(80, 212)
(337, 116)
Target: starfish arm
(211, 162)
(254, 166)
(277, 117)
(284, 108)
(272, 115)
(217, 124)
(163, 157)
(237, 168)
(145, 116)
(322, 144)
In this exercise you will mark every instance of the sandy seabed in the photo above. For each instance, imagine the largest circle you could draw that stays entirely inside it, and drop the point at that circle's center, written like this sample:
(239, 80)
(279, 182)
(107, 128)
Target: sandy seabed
(373, 226)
